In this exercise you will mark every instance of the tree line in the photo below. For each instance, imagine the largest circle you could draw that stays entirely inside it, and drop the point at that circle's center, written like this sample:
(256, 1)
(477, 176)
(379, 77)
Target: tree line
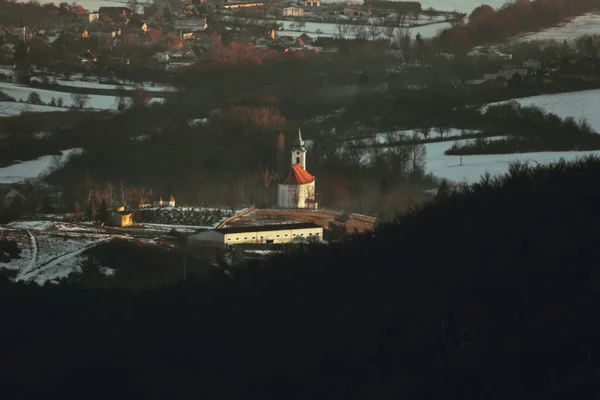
(486, 25)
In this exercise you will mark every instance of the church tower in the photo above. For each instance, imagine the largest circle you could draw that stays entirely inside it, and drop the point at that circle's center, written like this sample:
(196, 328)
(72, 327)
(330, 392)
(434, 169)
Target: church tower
(299, 152)
(297, 190)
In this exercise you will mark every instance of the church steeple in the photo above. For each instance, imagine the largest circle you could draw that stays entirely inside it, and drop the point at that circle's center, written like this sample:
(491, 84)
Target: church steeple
(299, 151)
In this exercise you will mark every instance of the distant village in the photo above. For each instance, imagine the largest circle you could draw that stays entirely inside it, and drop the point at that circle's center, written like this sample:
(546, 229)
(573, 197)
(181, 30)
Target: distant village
(175, 35)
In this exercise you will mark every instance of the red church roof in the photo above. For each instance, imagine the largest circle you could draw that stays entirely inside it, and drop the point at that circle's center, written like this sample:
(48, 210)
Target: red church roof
(298, 176)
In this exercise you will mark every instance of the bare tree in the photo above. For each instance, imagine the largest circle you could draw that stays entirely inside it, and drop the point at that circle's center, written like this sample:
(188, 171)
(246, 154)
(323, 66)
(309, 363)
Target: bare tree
(122, 192)
(240, 186)
(342, 29)
(268, 176)
(301, 24)
(418, 157)
(387, 28)
(400, 18)
(79, 100)
(353, 153)
(441, 130)
(359, 31)
(374, 31)
(77, 211)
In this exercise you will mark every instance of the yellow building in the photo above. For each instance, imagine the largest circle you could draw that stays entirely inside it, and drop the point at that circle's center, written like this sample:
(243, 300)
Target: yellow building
(120, 218)
(292, 12)
(233, 6)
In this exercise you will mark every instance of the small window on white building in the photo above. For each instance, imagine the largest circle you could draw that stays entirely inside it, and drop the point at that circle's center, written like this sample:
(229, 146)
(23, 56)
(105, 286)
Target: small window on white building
(277, 235)
(237, 238)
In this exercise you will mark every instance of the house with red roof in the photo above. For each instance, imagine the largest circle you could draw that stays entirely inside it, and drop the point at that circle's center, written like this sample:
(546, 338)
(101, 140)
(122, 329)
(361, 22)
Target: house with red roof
(297, 190)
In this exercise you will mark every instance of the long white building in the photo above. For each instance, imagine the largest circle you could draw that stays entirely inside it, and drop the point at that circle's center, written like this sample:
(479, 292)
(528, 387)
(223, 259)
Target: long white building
(266, 234)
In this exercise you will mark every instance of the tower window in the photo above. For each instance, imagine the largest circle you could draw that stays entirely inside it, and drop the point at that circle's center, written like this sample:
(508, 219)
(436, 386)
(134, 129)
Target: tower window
(297, 160)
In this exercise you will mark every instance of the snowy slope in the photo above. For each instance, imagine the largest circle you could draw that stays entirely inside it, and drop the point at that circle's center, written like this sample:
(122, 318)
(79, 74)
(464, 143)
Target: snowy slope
(583, 104)
(92, 5)
(95, 101)
(475, 166)
(32, 169)
(587, 24)
(10, 108)
(97, 85)
(465, 6)
(329, 30)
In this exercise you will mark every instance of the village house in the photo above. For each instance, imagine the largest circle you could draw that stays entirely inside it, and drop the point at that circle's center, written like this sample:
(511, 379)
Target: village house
(233, 6)
(113, 12)
(305, 40)
(266, 234)
(292, 12)
(298, 188)
(413, 7)
(506, 73)
(119, 217)
(313, 3)
(93, 17)
(178, 65)
(161, 57)
(355, 12)
(161, 202)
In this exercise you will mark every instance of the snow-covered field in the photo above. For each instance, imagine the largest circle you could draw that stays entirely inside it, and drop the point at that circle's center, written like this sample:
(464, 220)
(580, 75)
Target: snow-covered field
(49, 250)
(587, 24)
(330, 30)
(10, 108)
(465, 6)
(579, 105)
(95, 101)
(92, 5)
(32, 169)
(96, 85)
(385, 137)
(473, 167)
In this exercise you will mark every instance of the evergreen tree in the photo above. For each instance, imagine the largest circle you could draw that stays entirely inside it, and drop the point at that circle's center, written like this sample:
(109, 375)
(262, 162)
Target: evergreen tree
(443, 191)
(92, 211)
(103, 212)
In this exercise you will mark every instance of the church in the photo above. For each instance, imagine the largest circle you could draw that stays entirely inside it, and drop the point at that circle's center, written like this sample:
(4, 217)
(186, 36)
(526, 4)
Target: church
(298, 188)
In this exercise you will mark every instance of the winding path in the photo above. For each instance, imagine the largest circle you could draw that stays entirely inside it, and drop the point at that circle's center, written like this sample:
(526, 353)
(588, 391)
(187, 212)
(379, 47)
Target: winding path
(32, 261)
(56, 260)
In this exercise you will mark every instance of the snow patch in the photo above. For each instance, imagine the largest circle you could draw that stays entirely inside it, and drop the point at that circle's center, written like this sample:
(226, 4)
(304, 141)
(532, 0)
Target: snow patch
(474, 166)
(33, 169)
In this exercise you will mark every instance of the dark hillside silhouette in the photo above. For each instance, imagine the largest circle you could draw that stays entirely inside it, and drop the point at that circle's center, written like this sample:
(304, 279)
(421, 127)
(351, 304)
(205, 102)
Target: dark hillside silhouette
(490, 292)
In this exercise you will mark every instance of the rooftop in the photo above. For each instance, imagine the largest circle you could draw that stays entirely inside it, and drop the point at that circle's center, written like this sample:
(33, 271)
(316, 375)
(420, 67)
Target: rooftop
(266, 228)
(298, 176)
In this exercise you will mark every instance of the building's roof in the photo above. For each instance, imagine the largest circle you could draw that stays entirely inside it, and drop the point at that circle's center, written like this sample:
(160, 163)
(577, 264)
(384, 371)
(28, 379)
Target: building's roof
(113, 9)
(298, 176)
(266, 228)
